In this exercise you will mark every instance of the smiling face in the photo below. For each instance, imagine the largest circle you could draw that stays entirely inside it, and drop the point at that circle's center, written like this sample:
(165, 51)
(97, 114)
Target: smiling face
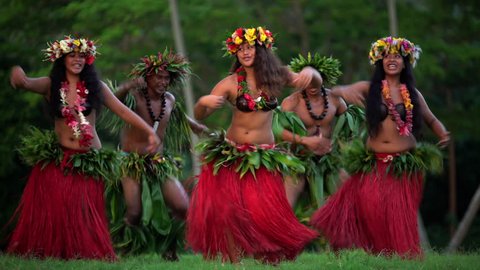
(75, 62)
(393, 64)
(246, 54)
(158, 82)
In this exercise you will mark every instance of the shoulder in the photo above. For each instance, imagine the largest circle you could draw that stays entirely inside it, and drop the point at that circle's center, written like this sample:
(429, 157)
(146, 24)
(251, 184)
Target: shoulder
(169, 96)
(226, 86)
(289, 103)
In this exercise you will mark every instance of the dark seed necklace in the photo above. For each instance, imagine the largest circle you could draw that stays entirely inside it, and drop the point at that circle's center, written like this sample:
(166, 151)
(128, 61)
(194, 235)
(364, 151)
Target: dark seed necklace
(309, 107)
(156, 120)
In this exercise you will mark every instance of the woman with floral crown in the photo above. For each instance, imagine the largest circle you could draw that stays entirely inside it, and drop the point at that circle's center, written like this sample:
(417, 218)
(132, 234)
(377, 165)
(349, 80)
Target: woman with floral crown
(376, 209)
(62, 211)
(239, 207)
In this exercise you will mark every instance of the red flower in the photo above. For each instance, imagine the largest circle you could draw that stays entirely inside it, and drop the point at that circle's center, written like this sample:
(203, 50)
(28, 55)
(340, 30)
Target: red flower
(90, 59)
(240, 78)
(251, 102)
(239, 32)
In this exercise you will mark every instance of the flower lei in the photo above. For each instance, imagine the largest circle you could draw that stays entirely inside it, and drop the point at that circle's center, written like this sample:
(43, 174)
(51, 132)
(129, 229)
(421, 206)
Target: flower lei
(391, 45)
(257, 35)
(404, 128)
(82, 130)
(242, 87)
(58, 48)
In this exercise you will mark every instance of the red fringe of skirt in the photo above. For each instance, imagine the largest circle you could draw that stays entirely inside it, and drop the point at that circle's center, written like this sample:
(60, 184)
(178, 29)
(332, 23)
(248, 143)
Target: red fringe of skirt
(375, 211)
(250, 214)
(61, 216)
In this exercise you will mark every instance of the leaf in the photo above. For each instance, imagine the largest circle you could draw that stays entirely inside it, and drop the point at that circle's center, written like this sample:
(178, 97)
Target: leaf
(147, 210)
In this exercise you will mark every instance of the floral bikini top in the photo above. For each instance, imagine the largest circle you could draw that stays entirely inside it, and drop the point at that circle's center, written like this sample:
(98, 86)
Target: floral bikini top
(245, 102)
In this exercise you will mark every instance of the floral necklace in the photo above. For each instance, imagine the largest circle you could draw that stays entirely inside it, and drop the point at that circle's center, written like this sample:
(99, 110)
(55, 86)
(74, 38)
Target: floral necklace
(309, 107)
(242, 87)
(156, 120)
(82, 130)
(404, 128)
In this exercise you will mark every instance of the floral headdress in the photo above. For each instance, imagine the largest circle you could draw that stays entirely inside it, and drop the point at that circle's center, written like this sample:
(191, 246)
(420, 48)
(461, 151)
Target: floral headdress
(328, 67)
(177, 66)
(390, 45)
(58, 48)
(252, 35)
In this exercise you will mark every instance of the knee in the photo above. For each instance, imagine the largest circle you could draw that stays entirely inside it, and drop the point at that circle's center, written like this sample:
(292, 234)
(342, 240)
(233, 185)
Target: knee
(133, 216)
(180, 208)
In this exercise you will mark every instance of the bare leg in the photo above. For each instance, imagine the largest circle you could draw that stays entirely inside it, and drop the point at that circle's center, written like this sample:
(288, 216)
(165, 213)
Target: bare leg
(132, 192)
(293, 188)
(177, 200)
(175, 197)
(233, 253)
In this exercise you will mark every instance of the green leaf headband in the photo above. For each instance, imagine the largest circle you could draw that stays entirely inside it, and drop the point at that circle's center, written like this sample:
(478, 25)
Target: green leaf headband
(328, 67)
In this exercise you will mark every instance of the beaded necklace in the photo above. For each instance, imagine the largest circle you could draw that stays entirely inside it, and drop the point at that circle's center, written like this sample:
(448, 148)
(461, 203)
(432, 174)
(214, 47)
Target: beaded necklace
(404, 127)
(156, 120)
(309, 107)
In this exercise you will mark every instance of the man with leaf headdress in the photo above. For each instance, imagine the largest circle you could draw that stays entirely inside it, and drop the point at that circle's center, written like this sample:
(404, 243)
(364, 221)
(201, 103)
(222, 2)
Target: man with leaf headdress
(322, 118)
(149, 181)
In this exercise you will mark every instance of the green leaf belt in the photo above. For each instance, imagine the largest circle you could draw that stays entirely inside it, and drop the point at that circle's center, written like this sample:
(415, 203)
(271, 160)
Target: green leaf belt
(425, 157)
(150, 167)
(247, 157)
(42, 147)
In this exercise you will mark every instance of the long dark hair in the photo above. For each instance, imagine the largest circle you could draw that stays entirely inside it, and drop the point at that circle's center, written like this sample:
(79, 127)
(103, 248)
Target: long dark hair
(270, 75)
(374, 98)
(88, 75)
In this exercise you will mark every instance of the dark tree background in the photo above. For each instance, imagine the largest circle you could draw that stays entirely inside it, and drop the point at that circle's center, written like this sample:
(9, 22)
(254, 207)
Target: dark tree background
(447, 73)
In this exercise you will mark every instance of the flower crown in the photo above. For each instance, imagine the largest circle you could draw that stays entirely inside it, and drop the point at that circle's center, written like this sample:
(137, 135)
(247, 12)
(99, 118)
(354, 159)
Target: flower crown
(328, 67)
(58, 48)
(391, 45)
(252, 35)
(176, 65)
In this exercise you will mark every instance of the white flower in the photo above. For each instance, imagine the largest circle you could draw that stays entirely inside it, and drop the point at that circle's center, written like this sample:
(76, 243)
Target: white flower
(64, 46)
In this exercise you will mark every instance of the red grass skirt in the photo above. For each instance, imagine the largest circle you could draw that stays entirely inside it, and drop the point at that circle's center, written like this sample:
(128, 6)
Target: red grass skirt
(251, 214)
(375, 211)
(61, 216)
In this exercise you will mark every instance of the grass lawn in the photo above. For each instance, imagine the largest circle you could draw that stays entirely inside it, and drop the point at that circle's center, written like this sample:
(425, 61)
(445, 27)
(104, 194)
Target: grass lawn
(345, 260)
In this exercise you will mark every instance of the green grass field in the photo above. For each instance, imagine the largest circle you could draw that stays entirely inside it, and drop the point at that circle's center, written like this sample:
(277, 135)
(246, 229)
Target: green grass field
(345, 260)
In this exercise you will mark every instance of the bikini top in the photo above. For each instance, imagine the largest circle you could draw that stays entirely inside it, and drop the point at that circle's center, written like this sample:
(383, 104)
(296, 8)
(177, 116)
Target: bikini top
(246, 103)
(400, 107)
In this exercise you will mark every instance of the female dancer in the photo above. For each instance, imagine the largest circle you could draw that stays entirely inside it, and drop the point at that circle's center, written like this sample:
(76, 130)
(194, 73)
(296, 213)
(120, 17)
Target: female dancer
(376, 209)
(239, 205)
(62, 212)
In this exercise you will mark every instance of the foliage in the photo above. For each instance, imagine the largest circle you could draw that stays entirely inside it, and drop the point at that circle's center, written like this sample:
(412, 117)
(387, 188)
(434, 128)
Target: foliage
(328, 67)
(248, 159)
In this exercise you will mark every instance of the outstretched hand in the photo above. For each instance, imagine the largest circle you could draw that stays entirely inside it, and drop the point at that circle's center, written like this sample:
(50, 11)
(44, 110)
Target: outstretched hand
(444, 141)
(17, 77)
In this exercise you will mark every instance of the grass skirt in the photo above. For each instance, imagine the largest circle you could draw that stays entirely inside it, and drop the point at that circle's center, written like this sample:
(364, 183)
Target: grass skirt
(250, 213)
(61, 215)
(375, 210)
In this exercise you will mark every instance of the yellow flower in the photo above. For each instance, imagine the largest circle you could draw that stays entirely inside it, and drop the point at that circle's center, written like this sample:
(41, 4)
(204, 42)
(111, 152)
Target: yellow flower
(76, 42)
(238, 40)
(250, 36)
(262, 34)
